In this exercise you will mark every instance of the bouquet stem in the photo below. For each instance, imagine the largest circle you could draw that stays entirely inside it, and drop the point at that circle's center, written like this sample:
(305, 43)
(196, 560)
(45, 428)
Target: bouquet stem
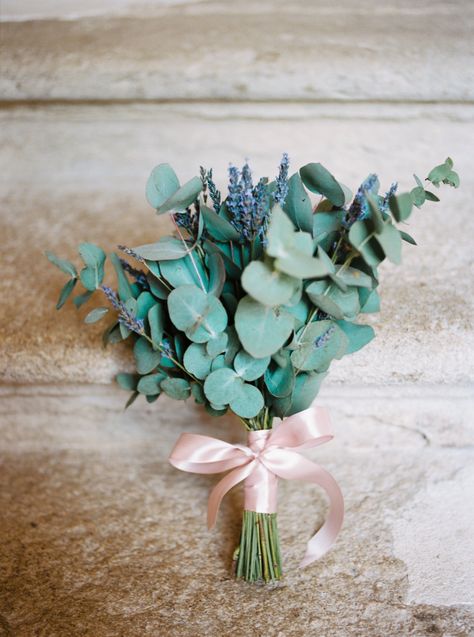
(258, 558)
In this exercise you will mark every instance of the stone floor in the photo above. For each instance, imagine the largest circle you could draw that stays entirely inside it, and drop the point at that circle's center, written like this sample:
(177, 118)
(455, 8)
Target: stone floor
(100, 536)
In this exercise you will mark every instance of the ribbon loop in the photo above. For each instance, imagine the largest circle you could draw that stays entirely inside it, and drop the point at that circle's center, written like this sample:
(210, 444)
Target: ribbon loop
(270, 453)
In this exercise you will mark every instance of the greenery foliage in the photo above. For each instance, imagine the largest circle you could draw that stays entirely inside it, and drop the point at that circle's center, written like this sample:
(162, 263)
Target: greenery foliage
(248, 304)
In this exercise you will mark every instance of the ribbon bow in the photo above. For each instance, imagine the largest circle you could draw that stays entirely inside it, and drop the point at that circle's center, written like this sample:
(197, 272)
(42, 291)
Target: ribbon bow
(271, 453)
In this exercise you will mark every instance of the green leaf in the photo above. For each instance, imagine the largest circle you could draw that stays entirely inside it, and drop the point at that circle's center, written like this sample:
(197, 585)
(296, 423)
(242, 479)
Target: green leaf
(96, 314)
(150, 385)
(248, 367)
(198, 393)
(127, 381)
(408, 238)
(333, 301)
(439, 173)
(358, 336)
(262, 330)
(418, 196)
(131, 400)
(248, 401)
(218, 362)
(233, 345)
(182, 198)
(145, 302)
(298, 204)
(80, 299)
(391, 243)
(92, 274)
(163, 250)
(352, 276)
(369, 301)
(65, 266)
(401, 206)
(123, 284)
(65, 293)
(197, 361)
(177, 388)
(221, 386)
(183, 271)
(161, 184)
(280, 233)
(156, 320)
(452, 179)
(317, 345)
(201, 316)
(266, 285)
(145, 356)
(215, 412)
(361, 237)
(375, 214)
(318, 179)
(326, 226)
(215, 264)
(430, 196)
(217, 345)
(280, 379)
(218, 227)
(304, 392)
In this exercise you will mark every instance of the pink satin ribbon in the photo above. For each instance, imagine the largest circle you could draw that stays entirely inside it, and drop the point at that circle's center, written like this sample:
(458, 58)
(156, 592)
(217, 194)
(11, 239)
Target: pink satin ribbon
(271, 453)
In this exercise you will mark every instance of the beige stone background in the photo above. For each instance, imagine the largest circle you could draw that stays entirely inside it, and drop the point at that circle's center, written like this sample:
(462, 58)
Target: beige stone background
(98, 535)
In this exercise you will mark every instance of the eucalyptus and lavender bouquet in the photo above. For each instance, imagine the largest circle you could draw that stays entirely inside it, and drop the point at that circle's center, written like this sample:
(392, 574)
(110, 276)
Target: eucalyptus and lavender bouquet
(243, 309)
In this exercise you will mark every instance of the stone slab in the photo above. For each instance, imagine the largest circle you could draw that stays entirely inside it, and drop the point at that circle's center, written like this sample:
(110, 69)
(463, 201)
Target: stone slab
(77, 173)
(101, 537)
(216, 50)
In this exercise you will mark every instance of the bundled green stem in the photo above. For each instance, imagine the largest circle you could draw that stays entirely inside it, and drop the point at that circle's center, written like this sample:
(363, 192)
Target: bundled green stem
(258, 557)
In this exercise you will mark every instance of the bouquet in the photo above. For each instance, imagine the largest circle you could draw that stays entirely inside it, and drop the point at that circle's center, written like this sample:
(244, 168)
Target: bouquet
(243, 309)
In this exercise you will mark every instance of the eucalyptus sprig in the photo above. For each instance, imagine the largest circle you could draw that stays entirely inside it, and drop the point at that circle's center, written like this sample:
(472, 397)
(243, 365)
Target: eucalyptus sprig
(246, 306)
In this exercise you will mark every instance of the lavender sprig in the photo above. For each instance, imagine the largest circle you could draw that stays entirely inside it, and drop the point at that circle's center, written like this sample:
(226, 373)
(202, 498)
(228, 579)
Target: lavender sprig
(282, 180)
(138, 275)
(124, 316)
(359, 208)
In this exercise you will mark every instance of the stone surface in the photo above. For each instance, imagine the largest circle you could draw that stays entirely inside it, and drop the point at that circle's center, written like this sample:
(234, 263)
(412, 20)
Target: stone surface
(101, 537)
(78, 173)
(208, 50)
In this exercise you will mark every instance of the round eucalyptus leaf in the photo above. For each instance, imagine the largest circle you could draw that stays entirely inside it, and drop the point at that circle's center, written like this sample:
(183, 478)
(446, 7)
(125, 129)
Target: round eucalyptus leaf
(266, 285)
(298, 204)
(65, 293)
(177, 388)
(161, 184)
(304, 392)
(318, 293)
(127, 381)
(319, 180)
(198, 393)
(146, 358)
(215, 412)
(221, 386)
(218, 363)
(197, 361)
(201, 316)
(262, 330)
(391, 243)
(150, 384)
(280, 379)
(217, 345)
(156, 320)
(92, 274)
(317, 345)
(358, 335)
(166, 249)
(248, 401)
(145, 302)
(182, 198)
(248, 367)
(63, 264)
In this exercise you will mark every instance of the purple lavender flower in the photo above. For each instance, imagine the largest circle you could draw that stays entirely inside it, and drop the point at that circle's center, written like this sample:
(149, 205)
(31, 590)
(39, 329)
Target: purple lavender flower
(214, 193)
(324, 338)
(282, 180)
(385, 202)
(131, 253)
(359, 208)
(124, 316)
(138, 275)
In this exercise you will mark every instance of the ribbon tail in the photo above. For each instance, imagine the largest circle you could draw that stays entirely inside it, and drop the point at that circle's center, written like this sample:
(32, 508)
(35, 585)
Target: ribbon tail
(292, 466)
(222, 487)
